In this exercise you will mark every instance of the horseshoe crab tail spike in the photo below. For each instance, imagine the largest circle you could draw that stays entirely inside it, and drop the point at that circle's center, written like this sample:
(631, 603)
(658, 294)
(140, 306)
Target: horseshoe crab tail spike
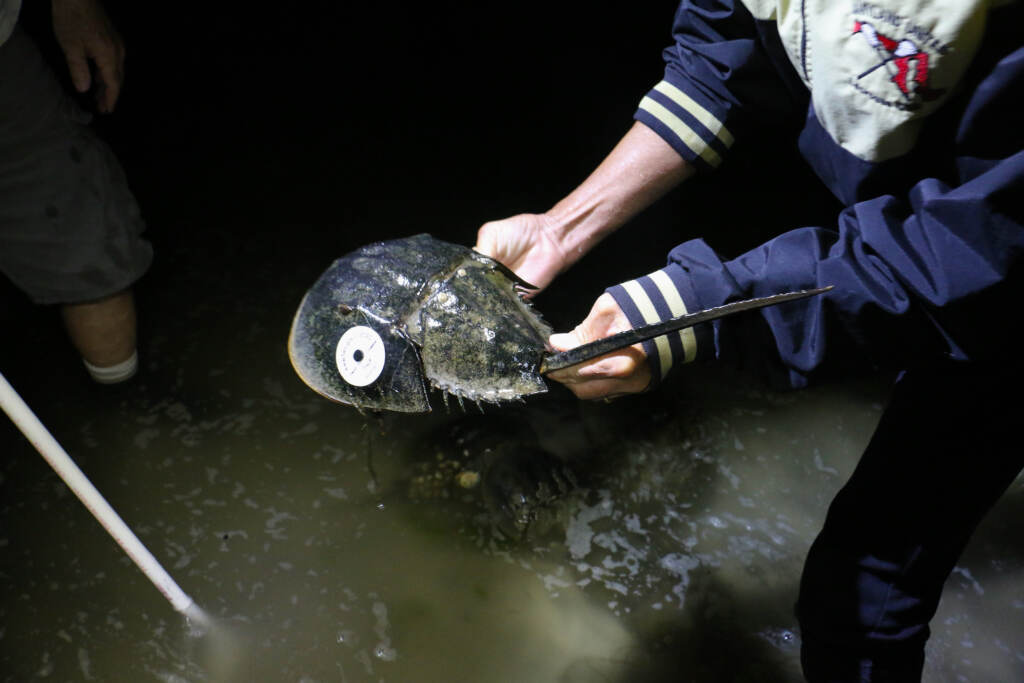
(563, 359)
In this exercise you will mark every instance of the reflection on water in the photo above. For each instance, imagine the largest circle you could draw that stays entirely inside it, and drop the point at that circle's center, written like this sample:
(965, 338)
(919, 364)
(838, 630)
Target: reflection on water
(308, 534)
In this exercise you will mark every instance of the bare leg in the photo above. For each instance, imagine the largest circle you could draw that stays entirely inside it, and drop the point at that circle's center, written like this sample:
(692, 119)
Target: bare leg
(103, 331)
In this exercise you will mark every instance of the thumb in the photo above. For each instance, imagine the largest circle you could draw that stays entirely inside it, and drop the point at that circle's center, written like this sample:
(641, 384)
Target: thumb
(563, 341)
(485, 243)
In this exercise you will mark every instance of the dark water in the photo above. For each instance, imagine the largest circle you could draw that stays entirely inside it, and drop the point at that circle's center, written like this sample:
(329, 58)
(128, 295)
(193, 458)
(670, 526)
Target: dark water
(300, 528)
(317, 539)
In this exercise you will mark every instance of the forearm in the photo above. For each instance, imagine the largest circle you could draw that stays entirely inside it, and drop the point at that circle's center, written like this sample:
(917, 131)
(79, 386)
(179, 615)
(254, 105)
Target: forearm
(639, 170)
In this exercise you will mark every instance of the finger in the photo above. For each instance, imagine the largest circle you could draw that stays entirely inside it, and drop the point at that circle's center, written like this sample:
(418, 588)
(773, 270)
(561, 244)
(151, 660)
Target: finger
(617, 365)
(599, 323)
(603, 388)
(109, 79)
(78, 67)
(107, 97)
(485, 241)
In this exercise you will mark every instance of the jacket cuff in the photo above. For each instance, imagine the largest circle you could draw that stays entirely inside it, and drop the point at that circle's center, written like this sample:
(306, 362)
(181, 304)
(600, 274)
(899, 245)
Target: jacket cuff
(659, 296)
(687, 122)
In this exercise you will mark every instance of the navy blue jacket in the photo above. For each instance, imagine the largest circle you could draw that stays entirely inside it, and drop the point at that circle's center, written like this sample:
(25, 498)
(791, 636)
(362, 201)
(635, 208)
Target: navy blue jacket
(912, 122)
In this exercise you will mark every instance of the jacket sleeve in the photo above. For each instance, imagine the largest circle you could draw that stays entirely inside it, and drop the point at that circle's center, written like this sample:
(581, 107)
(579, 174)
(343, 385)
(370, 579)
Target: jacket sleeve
(934, 272)
(716, 65)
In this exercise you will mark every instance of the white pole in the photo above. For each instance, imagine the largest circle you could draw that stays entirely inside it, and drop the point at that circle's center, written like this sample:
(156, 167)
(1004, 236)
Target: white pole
(37, 434)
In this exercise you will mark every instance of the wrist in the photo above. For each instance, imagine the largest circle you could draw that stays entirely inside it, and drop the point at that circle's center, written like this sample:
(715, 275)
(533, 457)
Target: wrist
(579, 222)
(637, 172)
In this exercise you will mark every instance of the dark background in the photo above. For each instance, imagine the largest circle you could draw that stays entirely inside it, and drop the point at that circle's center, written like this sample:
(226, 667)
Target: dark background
(263, 144)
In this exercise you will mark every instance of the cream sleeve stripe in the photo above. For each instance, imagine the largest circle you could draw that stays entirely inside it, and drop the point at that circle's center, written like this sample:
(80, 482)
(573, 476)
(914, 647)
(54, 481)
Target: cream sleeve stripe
(683, 132)
(646, 308)
(675, 303)
(641, 295)
(706, 118)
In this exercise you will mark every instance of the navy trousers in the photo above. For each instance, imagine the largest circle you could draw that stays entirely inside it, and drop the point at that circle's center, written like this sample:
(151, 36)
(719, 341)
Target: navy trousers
(946, 448)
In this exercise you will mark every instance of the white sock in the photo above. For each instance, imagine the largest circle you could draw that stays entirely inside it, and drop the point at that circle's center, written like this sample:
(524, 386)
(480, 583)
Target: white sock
(112, 374)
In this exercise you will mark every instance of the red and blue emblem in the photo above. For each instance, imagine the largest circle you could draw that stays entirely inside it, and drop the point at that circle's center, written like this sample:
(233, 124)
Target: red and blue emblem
(900, 57)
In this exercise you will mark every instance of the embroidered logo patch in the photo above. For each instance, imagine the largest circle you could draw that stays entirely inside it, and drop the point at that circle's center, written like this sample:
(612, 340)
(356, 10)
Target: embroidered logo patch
(903, 52)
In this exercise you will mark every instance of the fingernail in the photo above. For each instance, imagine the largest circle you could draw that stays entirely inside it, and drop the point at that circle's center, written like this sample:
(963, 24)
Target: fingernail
(562, 340)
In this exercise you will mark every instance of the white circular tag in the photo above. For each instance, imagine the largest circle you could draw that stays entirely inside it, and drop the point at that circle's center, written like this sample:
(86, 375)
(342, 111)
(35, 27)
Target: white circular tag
(360, 355)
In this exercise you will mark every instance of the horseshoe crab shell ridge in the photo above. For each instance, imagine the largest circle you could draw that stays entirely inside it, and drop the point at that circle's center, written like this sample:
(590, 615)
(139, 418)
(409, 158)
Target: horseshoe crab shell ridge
(392, 318)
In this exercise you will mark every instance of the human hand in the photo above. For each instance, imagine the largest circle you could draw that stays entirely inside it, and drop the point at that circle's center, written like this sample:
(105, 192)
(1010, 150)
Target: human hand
(618, 373)
(527, 245)
(85, 32)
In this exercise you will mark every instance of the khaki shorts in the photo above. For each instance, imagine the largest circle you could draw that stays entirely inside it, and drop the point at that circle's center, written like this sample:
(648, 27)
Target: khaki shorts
(70, 229)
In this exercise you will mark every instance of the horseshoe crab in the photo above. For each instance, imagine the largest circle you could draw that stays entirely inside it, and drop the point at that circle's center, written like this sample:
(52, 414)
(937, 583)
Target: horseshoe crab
(498, 464)
(387, 320)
